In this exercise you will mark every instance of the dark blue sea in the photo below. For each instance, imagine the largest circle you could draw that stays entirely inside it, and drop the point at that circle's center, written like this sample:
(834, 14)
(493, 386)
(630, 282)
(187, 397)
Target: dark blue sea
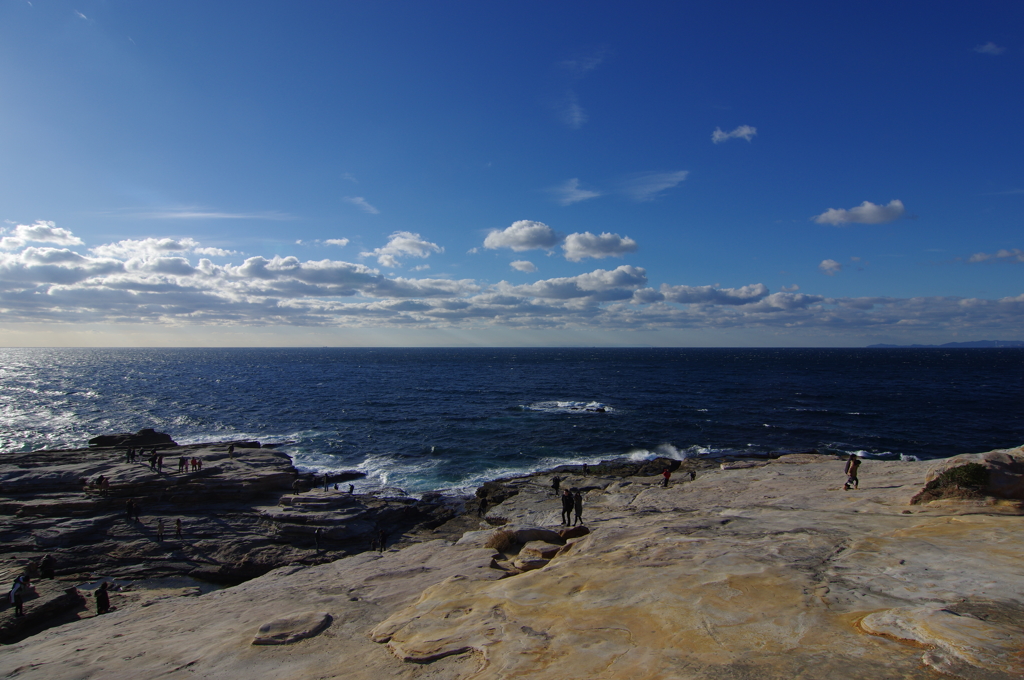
(448, 419)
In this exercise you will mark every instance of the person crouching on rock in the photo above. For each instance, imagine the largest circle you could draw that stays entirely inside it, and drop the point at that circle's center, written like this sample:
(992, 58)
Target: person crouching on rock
(852, 463)
(102, 600)
(567, 506)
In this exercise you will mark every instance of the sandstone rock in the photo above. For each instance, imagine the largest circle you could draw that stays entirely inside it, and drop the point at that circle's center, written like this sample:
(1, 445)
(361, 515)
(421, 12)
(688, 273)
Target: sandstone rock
(743, 464)
(573, 532)
(527, 534)
(960, 644)
(292, 628)
(766, 572)
(528, 563)
(1005, 470)
(539, 549)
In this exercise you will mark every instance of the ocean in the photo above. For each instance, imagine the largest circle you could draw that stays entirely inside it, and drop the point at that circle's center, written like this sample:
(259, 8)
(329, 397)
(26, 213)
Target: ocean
(449, 419)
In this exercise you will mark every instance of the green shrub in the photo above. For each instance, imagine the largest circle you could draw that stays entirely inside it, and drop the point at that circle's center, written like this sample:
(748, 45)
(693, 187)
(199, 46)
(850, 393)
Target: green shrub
(967, 481)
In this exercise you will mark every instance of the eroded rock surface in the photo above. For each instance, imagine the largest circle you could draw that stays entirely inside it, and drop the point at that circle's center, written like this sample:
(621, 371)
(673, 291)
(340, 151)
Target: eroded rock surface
(764, 572)
(285, 630)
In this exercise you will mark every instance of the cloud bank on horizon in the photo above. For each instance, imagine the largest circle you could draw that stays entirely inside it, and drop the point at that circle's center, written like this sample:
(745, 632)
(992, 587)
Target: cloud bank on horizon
(543, 176)
(174, 281)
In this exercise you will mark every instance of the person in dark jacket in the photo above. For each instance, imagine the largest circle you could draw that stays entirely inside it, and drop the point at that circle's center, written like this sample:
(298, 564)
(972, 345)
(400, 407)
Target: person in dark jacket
(102, 600)
(567, 506)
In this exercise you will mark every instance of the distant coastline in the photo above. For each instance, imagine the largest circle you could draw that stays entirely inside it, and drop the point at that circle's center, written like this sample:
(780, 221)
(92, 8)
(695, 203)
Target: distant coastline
(982, 344)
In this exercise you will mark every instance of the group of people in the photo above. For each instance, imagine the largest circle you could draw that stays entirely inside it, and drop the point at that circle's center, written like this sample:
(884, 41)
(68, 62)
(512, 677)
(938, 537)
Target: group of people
(23, 583)
(184, 463)
(572, 501)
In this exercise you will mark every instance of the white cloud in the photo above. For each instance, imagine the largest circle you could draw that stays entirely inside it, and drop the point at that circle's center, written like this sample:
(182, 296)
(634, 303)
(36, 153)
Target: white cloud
(582, 65)
(990, 48)
(341, 242)
(647, 186)
(580, 246)
(523, 235)
(571, 112)
(746, 132)
(200, 214)
(80, 15)
(714, 295)
(158, 281)
(570, 192)
(830, 267)
(362, 204)
(402, 244)
(420, 268)
(790, 289)
(865, 213)
(524, 266)
(40, 231)
(1003, 255)
(600, 284)
(156, 247)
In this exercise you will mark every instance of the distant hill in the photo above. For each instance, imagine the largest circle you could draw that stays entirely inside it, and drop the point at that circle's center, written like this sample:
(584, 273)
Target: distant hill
(962, 345)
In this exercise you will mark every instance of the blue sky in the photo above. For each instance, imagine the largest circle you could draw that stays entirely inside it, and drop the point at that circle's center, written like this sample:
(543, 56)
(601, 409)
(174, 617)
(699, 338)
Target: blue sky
(456, 173)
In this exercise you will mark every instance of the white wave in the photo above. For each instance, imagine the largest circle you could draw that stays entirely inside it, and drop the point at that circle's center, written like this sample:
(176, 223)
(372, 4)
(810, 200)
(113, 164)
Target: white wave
(570, 407)
(909, 457)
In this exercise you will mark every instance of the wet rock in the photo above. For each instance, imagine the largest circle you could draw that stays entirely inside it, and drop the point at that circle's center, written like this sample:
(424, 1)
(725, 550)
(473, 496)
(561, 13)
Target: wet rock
(144, 437)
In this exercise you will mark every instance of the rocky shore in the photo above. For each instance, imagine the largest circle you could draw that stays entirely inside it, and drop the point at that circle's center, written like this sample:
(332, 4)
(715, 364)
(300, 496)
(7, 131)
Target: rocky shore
(755, 569)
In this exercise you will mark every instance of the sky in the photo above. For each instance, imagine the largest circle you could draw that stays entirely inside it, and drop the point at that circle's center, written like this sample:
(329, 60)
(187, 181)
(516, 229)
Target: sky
(741, 174)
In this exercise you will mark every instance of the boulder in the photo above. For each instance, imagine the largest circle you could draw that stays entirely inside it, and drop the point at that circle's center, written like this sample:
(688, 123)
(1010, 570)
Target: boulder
(539, 549)
(573, 532)
(291, 628)
(526, 563)
(1005, 469)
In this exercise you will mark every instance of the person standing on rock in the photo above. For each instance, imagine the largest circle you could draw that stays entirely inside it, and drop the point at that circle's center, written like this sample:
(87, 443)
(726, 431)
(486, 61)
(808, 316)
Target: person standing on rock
(481, 508)
(555, 482)
(667, 474)
(567, 506)
(351, 489)
(231, 451)
(17, 596)
(102, 600)
(177, 528)
(852, 463)
(577, 500)
(160, 530)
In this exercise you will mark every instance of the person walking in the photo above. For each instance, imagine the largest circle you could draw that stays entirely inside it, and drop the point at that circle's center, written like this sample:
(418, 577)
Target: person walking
(177, 528)
(160, 530)
(577, 501)
(555, 482)
(852, 463)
